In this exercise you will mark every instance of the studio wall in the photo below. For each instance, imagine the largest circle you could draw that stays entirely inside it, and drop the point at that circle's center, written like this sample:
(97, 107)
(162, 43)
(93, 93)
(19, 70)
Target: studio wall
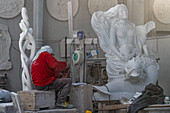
(55, 30)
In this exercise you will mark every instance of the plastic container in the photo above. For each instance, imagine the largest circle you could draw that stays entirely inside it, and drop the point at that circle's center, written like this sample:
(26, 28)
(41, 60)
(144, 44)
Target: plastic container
(166, 100)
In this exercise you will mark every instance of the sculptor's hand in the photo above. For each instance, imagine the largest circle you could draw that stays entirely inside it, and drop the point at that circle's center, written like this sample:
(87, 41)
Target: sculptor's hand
(66, 69)
(60, 75)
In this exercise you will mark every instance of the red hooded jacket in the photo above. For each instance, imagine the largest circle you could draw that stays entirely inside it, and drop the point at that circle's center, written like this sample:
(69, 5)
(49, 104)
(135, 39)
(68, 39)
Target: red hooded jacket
(45, 69)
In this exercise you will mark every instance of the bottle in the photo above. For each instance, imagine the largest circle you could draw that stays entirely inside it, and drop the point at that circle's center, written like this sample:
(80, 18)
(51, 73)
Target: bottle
(166, 100)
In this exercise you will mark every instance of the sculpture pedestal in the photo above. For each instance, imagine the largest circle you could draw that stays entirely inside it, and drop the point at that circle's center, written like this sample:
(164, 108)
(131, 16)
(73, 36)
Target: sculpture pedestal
(81, 97)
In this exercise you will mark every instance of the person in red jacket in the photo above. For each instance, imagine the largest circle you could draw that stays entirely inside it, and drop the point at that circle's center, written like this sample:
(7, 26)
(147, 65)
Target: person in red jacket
(46, 74)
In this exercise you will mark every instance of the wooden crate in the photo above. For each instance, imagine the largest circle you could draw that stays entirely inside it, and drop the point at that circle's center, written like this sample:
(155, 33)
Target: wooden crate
(36, 100)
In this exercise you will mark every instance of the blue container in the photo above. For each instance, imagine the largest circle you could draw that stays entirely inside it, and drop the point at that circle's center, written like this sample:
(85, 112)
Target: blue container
(80, 34)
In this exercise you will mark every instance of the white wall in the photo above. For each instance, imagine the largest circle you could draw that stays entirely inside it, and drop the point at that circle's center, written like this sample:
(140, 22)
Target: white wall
(164, 73)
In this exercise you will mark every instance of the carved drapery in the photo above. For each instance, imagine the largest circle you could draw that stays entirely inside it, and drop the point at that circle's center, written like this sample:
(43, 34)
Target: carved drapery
(5, 44)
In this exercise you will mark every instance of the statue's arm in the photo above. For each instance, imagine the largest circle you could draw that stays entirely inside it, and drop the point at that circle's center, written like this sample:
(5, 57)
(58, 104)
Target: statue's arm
(149, 26)
(146, 51)
(113, 42)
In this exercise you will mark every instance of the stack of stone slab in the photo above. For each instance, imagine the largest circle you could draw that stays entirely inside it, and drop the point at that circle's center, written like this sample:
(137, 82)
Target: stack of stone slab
(55, 111)
(6, 108)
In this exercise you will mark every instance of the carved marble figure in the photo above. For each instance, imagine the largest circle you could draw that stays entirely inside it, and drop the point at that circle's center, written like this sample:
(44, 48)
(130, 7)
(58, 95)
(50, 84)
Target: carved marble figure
(5, 44)
(26, 42)
(130, 64)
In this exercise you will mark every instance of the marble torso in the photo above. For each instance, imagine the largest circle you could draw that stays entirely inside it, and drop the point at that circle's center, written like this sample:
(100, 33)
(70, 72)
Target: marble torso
(125, 36)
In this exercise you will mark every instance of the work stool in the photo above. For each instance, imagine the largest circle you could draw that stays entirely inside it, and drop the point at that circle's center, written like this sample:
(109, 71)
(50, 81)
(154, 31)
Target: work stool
(33, 100)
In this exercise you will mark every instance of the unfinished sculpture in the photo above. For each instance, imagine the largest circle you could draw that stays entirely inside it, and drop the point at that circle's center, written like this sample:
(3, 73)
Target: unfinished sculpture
(130, 64)
(26, 43)
(5, 44)
(10, 8)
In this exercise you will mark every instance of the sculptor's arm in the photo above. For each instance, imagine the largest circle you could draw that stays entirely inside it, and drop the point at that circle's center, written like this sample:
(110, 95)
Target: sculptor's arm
(113, 42)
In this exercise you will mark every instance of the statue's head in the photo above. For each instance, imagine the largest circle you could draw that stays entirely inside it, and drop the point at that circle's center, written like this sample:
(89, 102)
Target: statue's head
(123, 12)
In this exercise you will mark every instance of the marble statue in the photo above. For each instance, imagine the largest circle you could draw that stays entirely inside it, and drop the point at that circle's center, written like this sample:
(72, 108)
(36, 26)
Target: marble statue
(26, 43)
(5, 44)
(130, 63)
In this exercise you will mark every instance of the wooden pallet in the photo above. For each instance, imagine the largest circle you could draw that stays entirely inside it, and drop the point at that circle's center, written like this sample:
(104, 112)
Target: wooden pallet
(123, 106)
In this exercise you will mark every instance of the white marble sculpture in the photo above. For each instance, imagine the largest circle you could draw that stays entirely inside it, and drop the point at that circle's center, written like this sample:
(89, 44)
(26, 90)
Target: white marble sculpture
(26, 42)
(130, 64)
(5, 44)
